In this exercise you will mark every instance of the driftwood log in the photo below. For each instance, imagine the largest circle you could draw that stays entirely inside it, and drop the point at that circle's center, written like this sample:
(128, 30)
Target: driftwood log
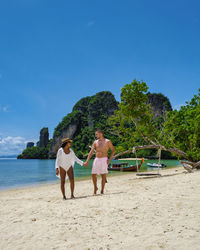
(190, 166)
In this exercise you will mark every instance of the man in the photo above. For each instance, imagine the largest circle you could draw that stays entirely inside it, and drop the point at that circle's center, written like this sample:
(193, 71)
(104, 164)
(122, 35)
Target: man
(101, 161)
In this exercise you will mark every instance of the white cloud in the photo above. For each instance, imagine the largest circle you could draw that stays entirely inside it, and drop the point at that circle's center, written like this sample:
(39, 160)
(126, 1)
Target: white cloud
(91, 23)
(3, 108)
(12, 145)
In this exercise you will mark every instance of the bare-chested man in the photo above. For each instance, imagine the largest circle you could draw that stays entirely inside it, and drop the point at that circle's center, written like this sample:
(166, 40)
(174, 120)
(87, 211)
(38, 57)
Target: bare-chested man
(101, 161)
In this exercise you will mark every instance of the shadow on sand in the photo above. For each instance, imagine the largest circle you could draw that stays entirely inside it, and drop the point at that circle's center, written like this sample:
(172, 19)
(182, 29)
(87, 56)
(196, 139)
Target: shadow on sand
(159, 176)
(93, 195)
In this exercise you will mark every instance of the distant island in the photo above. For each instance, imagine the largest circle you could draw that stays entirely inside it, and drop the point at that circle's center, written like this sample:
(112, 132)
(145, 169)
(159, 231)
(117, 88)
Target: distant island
(88, 114)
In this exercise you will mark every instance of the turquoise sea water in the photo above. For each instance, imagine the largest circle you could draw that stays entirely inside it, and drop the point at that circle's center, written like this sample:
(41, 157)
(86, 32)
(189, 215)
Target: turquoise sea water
(18, 173)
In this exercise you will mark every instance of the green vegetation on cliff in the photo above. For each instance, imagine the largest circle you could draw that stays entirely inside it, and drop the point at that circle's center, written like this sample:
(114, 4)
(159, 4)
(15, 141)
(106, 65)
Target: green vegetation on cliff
(88, 114)
(34, 153)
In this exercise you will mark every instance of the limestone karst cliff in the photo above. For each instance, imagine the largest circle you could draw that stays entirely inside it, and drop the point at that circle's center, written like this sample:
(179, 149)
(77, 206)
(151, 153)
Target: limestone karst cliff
(87, 114)
(159, 103)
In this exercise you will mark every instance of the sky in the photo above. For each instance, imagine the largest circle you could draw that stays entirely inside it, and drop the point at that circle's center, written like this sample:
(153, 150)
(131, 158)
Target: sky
(55, 52)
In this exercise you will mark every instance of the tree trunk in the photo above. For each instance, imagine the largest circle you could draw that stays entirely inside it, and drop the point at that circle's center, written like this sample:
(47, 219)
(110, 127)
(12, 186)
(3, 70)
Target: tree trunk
(122, 153)
(172, 150)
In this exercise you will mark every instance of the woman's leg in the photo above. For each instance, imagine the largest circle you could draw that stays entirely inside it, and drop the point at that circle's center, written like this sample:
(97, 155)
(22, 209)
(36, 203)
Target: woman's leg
(62, 183)
(70, 174)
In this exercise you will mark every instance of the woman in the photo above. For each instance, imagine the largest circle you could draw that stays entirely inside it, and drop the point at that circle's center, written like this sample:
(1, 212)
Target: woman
(64, 165)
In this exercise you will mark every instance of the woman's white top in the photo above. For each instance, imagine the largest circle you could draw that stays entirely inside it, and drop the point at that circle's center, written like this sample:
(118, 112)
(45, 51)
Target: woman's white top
(66, 160)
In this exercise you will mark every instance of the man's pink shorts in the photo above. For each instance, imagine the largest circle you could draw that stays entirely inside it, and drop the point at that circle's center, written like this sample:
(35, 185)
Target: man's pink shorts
(100, 166)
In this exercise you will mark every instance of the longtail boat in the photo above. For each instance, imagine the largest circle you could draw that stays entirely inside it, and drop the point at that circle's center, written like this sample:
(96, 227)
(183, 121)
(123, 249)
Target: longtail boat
(124, 167)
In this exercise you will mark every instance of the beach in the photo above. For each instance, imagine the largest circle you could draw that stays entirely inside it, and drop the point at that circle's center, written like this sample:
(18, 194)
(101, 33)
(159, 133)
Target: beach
(134, 213)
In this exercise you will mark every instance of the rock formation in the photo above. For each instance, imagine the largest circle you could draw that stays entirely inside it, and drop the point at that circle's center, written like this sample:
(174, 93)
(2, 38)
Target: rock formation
(44, 138)
(159, 103)
(87, 114)
(29, 144)
(69, 132)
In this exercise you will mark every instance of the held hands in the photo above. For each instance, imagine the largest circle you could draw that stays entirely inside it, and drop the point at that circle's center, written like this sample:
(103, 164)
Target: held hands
(85, 164)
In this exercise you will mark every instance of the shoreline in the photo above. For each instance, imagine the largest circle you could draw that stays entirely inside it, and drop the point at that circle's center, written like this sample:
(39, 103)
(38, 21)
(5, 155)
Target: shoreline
(77, 179)
(88, 178)
(57, 181)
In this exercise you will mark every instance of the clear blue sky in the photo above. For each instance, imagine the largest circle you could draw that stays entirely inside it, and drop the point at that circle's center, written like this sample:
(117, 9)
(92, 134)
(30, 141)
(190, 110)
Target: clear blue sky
(52, 53)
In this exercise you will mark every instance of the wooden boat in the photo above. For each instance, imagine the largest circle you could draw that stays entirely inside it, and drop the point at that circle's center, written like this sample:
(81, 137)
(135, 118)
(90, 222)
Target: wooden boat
(124, 167)
(156, 165)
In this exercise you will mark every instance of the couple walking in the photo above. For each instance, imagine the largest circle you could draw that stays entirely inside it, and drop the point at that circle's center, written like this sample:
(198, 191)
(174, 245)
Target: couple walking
(66, 157)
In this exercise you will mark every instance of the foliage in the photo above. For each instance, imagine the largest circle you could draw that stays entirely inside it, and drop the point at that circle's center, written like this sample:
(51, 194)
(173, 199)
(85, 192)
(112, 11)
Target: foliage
(34, 153)
(136, 122)
(82, 142)
(182, 129)
(72, 118)
(134, 114)
(49, 144)
(88, 114)
(44, 131)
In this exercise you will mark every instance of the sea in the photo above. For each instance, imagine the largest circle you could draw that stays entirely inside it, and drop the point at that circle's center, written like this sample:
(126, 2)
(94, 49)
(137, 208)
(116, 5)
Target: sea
(15, 173)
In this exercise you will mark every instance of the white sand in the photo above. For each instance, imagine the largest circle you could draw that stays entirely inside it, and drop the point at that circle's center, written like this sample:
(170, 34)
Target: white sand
(135, 213)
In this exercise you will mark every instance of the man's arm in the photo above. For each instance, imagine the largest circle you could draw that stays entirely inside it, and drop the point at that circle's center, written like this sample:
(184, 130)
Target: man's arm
(111, 147)
(90, 153)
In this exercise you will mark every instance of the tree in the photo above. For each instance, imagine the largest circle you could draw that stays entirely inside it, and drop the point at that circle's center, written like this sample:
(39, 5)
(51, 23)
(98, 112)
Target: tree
(182, 129)
(178, 132)
(135, 121)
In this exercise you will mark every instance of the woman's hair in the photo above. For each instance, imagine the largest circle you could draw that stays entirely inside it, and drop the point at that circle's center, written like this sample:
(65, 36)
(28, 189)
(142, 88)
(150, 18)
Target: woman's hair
(64, 144)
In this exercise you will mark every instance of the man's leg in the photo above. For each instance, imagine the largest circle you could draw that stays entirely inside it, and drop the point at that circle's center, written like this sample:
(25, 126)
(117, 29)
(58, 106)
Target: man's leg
(62, 181)
(70, 174)
(103, 181)
(94, 178)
